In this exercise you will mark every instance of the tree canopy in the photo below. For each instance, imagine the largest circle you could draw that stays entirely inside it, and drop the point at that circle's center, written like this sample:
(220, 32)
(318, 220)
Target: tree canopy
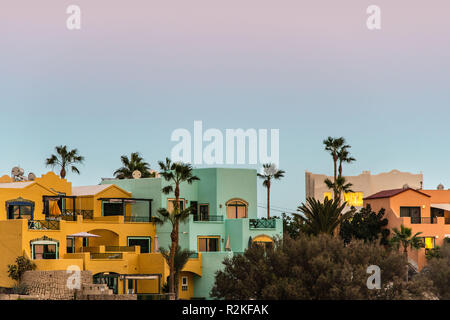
(365, 225)
(316, 267)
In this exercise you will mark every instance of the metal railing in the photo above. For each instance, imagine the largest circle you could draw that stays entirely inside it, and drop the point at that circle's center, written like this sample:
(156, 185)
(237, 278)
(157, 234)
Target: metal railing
(120, 249)
(43, 225)
(447, 220)
(429, 220)
(87, 214)
(138, 219)
(262, 223)
(71, 215)
(154, 296)
(424, 220)
(113, 255)
(198, 217)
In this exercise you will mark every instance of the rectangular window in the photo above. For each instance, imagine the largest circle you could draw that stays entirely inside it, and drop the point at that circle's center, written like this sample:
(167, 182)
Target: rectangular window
(70, 245)
(85, 242)
(171, 202)
(208, 244)
(184, 283)
(44, 251)
(143, 242)
(413, 212)
(19, 212)
(194, 206)
(112, 209)
(354, 199)
(428, 242)
(204, 212)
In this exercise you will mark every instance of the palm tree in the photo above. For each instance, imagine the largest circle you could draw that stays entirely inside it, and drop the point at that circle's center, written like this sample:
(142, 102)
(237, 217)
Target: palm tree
(270, 172)
(135, 162)
(333, 146)
(321, 217)
(340, 154)
(175, 173)
(406, 239)
(181, 258)
(344, 156)
(65, 159)
(339, 187)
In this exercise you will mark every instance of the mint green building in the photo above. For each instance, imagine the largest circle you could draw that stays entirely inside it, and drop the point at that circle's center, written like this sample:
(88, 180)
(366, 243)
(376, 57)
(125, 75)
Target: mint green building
(224, 222)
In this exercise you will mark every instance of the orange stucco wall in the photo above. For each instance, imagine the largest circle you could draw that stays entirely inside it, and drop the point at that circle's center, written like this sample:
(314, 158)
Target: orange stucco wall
(411, 198)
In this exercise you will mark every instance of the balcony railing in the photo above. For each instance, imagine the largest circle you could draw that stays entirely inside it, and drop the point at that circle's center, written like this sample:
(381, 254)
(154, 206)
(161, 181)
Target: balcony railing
(87, 214)
(423, 220)
(71, 215)
(262, 223)
(207, 217)
(119, 249)
(154, 296)
(447, 220)
(112, 255)
(138, 219)
(43, 225)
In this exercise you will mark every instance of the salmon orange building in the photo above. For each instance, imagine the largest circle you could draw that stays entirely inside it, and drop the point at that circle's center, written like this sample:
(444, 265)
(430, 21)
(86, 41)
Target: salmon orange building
(425, 211)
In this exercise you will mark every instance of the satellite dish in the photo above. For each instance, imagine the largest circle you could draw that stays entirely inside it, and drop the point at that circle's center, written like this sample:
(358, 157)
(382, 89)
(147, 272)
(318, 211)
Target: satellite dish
(15, 171)
(31, 176)
(136, 174)
(17, 174)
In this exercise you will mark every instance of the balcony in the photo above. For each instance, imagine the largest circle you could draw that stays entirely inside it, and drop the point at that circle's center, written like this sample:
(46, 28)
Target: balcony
(138, 219)
(423, 220)
(71, 215)
(43, 225)
(106, 255)
(208, 218)
(120, 249)
(262, 223)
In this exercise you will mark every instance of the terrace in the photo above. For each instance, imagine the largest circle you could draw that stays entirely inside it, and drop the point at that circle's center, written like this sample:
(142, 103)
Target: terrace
(262, 223)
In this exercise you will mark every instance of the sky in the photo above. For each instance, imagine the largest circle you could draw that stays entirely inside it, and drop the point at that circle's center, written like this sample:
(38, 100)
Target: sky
(138, 70)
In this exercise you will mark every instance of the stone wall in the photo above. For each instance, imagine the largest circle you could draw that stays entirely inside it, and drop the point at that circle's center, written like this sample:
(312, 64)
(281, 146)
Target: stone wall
(52, 285)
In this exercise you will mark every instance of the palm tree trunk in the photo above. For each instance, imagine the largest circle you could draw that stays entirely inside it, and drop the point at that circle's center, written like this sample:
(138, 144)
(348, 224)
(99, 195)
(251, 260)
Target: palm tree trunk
(62, 173)
(174, 248)
(268, 200)
(406, 257)
(335, 175)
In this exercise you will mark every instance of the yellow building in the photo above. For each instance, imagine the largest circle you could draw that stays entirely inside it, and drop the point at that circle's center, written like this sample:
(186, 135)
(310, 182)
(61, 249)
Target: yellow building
(46, 218)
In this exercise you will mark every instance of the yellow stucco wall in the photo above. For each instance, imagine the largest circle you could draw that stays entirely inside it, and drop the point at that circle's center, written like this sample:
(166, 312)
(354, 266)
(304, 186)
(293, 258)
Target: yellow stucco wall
(16, 238)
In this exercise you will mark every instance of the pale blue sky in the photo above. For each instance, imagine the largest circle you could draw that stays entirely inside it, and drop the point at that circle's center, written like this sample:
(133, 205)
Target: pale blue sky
(140, 69)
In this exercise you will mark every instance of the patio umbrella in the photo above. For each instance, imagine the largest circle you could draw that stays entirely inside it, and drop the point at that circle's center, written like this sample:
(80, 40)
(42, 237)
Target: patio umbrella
(156, 244)
(83, 235)
(54, 209)
(227, 245)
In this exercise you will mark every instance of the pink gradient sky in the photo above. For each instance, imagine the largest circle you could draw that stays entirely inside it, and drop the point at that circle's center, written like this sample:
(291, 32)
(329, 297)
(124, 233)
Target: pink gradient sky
(309, 68)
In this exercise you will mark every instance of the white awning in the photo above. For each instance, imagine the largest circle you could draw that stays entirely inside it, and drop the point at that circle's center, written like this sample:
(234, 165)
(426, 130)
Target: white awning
(443, 206)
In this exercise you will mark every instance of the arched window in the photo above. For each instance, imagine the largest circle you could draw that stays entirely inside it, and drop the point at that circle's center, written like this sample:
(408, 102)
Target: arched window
(237, 209)
(20, 209)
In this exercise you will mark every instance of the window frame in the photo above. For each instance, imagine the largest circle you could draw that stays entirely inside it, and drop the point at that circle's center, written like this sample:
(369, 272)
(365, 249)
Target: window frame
(141, 238)
(207, 243)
